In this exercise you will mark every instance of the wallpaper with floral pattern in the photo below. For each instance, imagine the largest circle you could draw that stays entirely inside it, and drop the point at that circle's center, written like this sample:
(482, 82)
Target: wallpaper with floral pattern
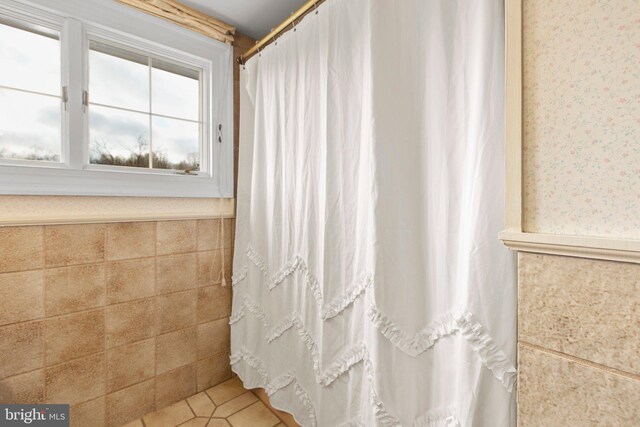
(581, 117)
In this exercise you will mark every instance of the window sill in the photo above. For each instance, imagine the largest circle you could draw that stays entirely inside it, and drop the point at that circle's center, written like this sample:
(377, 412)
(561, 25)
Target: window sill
(57, 181)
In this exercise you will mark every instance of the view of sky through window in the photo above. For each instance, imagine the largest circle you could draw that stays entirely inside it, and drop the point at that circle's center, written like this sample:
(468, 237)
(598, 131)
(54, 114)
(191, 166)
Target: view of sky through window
(30, 103)
(143, 112)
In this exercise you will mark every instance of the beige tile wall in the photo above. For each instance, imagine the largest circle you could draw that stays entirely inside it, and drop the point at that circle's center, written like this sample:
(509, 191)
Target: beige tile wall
(117, 320)
(579, 342)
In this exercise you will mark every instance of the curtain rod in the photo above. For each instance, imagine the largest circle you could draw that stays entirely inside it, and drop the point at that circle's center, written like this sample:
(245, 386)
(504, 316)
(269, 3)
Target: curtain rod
(278, 30)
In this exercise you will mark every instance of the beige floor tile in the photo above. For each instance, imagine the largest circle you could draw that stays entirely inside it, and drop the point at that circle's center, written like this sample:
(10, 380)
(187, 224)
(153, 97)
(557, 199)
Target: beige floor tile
(134, 423)
(286, 418)
(196, 422)
(226, 391)
(201, 405)
(173, 415)
(234, 405)
(256, 415)
(218, 422)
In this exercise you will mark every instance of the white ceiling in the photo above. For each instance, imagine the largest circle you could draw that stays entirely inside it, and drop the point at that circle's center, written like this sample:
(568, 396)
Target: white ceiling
(254, 18)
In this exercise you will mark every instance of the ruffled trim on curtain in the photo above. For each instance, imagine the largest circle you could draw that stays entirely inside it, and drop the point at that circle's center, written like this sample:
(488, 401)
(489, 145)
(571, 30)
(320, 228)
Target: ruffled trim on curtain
(439, 417)
(450, 323)
(458, 320)
(342, 365)
(332, 309)
(277, 384)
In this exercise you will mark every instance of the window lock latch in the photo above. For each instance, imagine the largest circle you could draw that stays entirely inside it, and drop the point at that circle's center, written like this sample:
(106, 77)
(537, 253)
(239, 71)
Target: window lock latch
(65, 96)
(85, 100)
(220, 133)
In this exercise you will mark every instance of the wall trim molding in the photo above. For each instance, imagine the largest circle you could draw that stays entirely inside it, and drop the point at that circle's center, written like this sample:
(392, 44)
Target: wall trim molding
(100, 219)
(603, 248)
(37, 210)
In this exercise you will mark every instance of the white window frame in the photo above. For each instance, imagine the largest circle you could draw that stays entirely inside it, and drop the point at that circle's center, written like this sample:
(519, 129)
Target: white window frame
(78, 21)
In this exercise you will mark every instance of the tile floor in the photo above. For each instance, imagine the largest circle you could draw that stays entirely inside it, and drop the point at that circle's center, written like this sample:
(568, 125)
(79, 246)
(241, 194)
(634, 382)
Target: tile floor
(226, 405)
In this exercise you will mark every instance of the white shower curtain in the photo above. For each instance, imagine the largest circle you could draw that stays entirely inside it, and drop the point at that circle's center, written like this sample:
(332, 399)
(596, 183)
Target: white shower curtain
(369, 284)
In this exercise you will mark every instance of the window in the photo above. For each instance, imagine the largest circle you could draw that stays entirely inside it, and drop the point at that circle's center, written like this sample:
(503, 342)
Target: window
(30, 98)
(99, 99)
(143, 112)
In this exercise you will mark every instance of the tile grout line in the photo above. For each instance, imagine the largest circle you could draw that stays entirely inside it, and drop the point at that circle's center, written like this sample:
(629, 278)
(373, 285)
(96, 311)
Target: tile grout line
(197, 349)
(155, 320)
(584, 362)
(189, 406)
(44, 317)
(104, 314)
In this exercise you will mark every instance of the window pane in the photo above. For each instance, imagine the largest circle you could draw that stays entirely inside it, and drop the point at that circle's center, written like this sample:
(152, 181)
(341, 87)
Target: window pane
(175, 91)
(29, 61)
(118, 78)
(175, 144)
(118, 137)
(29, 126)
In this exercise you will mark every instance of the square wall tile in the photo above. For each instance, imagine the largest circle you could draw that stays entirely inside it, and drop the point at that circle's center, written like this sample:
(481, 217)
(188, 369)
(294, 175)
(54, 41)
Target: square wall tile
(176, 237)
(175, 273)
(130, 364)
(74, 335)
(130, 280)
(213, 371)
(130, 322)
(214, 302)
(209, 267)
(228, 264)
(130, 403)
(127, 240)
(25, 388)
(209, 235)
(74, 244)
(175, 385)
(176, 311)
(213, 338)
(21, 348)
(21, 248)
(175, 349)
(76, 381)
(556, 391)
(586, 308)
(70, 289)
(22, 296)
(229, 232)
(87, 414)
